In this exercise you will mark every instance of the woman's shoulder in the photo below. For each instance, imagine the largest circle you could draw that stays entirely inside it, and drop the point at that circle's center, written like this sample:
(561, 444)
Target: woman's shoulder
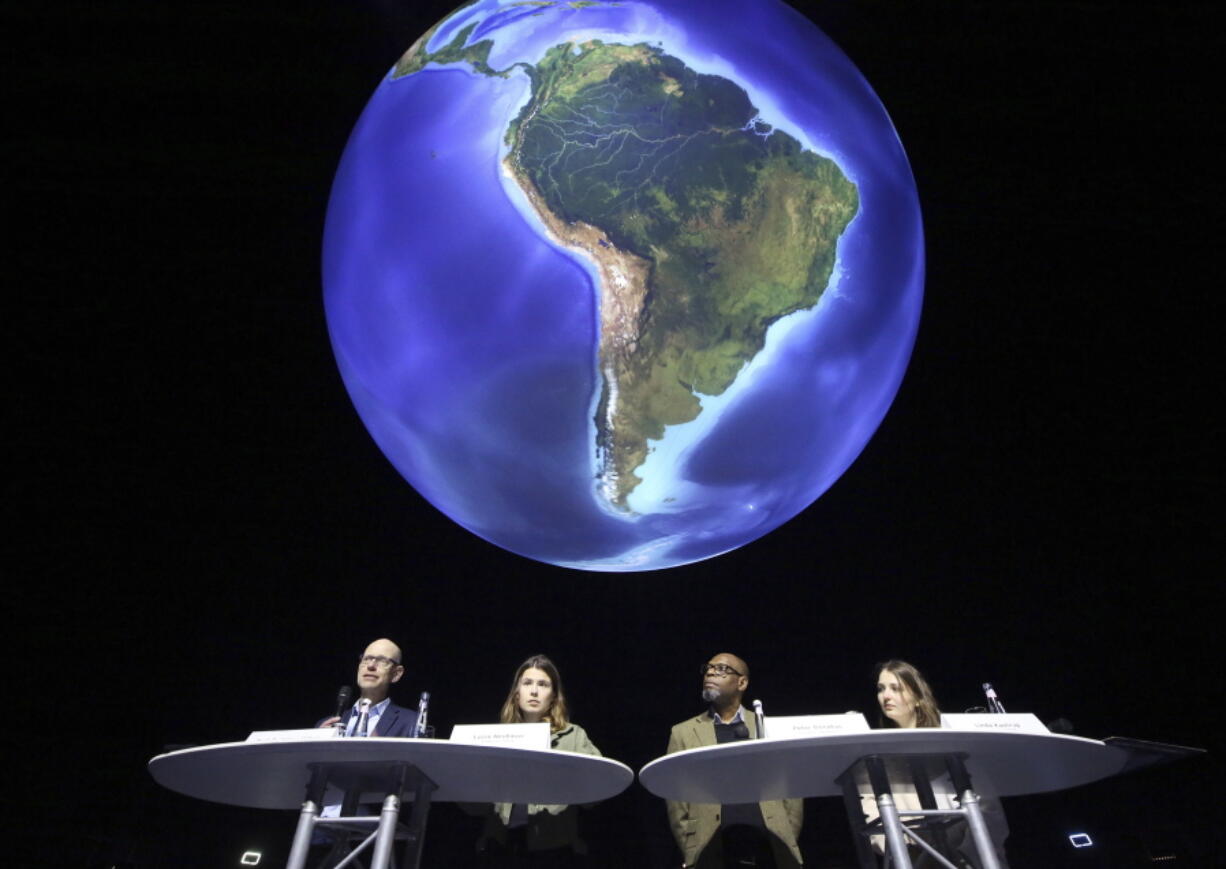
(573, 737)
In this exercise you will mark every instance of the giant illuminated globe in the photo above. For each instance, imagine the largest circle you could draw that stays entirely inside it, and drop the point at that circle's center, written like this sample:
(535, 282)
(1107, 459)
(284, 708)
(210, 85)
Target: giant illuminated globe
(621, 286)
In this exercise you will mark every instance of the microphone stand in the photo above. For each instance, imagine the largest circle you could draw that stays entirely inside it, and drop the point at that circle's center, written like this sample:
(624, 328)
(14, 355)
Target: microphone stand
(423, 708)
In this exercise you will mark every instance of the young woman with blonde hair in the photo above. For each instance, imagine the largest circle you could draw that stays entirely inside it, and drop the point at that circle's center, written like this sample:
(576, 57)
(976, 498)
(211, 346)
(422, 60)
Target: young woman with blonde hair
(531, 835)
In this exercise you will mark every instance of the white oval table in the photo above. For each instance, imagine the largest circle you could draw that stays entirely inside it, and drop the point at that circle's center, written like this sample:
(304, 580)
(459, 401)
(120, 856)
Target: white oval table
(306, 774)
(1000, 763)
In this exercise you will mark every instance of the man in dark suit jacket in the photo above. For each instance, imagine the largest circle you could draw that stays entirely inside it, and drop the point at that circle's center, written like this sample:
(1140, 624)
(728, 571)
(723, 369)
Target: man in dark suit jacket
(379, 668)
(752, 834)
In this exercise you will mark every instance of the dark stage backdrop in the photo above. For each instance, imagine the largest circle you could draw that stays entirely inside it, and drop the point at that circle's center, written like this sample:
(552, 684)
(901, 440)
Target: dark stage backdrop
(207, 537)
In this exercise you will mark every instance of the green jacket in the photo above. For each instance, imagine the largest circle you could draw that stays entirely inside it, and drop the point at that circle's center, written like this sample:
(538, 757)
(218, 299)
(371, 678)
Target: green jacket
(548, 826)
(694, 824)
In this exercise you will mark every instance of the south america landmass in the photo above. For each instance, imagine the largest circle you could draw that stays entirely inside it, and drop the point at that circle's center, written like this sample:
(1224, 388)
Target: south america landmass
(705, 224)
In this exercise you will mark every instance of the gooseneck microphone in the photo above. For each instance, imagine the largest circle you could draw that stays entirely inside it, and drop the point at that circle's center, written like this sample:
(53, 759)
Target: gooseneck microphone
(423, 709)
(761, 718)
(343, 698)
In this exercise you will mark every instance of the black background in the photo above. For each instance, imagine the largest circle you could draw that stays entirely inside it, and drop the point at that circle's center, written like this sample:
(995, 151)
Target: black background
(206, 537)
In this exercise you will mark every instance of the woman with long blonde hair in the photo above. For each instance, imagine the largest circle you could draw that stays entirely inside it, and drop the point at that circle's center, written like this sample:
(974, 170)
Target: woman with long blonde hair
(531, 835)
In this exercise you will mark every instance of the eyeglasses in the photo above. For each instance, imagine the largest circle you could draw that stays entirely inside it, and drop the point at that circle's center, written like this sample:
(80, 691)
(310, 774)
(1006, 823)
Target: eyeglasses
(720, 670)
(379, 661)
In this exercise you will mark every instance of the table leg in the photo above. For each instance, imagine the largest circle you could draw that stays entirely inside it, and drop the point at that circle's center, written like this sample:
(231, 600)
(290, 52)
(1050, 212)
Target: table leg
(417, 822)
(974, 815)
(979, 830)
(302, 835)
(896, 843)
(856, 820)
(928, 800)
(385, 837)
(307, 818)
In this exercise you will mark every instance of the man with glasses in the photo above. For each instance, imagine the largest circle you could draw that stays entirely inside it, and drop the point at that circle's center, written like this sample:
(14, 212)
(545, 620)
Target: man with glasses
(379, 668)
(742, 835)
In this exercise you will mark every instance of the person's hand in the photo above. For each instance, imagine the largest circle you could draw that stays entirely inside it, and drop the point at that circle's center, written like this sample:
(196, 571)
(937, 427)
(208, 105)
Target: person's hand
(329, 722)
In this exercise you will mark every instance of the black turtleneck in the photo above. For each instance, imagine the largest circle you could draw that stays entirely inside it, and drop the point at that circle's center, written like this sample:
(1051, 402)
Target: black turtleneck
(746, 814)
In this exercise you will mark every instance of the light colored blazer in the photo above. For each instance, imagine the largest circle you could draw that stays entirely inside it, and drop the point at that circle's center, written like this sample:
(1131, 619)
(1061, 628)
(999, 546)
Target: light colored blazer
(548, 826)
(695, 824)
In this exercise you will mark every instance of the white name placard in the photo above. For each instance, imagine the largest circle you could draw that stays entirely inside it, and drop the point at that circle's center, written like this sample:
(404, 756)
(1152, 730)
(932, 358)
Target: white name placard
(292, 735)
(800, 726)
(507, 735)
(1001, 722)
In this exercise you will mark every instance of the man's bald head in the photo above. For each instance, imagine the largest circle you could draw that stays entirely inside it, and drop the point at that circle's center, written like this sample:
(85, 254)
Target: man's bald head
(724, 680)
(733, 661)
(385, 647)
(378, 669)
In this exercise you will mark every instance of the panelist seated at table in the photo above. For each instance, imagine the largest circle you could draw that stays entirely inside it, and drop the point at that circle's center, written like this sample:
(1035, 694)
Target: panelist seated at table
(711, 835)
(906, 700)
(518, 834)
(379, 667)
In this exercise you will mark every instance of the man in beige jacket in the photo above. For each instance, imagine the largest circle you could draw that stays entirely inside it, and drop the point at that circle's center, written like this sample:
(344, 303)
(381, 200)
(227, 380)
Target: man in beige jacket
(744, 835)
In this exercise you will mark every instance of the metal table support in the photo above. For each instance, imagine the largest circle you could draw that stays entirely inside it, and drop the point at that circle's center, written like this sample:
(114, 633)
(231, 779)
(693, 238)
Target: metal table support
(969, 801)
(381, 831)
(932, 820)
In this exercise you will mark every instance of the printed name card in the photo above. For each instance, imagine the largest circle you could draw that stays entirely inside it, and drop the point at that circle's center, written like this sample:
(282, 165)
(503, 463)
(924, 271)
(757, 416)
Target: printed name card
(801, 726)
(506, 735)
(299, 735)
(999, 722)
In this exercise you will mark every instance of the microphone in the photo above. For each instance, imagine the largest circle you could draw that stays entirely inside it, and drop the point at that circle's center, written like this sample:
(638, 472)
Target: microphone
(343, 698)
(761, 718)
(994, 704)
(423, 708)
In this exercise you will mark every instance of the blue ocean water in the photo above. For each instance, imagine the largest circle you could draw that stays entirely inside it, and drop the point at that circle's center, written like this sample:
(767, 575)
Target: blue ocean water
(467, 340)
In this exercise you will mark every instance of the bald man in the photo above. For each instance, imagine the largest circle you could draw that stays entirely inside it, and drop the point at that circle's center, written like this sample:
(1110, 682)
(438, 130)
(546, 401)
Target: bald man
(379, 667)
(748, 834)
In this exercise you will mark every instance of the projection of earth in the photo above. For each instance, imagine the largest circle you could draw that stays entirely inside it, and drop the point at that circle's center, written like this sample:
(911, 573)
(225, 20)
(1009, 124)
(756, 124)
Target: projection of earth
(623, 286)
